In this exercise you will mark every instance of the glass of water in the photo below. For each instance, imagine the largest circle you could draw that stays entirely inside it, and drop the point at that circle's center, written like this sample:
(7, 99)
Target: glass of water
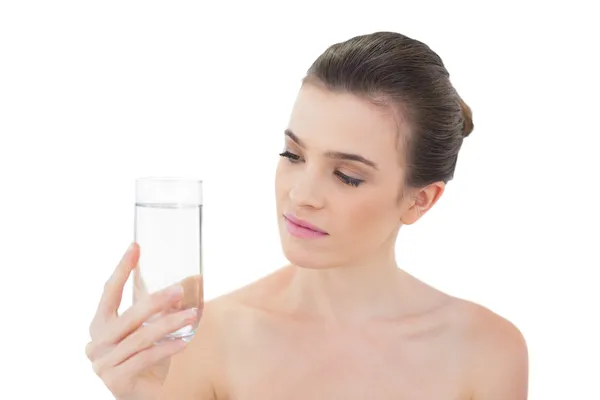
(168, 230)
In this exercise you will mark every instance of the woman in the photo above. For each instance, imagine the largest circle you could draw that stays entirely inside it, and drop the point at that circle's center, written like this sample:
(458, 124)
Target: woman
(372, 141)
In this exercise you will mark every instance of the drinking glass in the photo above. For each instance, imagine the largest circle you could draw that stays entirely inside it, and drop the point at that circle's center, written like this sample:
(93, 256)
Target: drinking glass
(168, 230)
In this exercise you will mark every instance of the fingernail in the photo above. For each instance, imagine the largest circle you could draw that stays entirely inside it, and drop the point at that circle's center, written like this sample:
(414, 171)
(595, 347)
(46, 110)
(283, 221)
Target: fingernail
(178, 304)
(190, 315)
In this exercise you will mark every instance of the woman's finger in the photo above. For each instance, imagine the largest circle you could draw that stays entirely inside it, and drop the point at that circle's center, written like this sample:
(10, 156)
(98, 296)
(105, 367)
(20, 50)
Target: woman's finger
(141, 312)
(147, 337)
(148, 358)
(113, 288)
(193, 292)
(90, 350)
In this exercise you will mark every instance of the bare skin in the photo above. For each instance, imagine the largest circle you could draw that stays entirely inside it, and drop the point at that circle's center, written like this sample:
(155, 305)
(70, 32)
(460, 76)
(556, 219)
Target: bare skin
(342, 320)
(121, 350)
(439, 347)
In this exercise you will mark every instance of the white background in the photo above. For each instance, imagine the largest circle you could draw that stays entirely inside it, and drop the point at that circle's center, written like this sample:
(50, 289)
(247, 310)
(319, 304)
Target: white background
(96, 94)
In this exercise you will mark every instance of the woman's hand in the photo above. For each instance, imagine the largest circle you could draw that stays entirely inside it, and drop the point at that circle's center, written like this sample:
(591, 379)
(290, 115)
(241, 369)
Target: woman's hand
(122, 351)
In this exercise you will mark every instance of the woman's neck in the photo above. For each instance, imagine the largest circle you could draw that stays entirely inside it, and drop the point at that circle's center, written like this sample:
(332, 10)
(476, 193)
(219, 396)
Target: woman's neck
(349, 294)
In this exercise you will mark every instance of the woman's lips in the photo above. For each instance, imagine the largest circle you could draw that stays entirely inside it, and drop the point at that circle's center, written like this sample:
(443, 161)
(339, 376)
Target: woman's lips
(302, 229)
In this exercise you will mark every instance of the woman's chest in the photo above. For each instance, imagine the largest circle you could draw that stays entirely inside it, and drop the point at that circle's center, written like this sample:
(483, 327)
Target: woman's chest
(344, 367)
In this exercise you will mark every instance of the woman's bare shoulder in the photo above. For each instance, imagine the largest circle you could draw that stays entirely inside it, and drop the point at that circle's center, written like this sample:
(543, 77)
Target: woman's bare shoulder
(255, 294)
(198, 371)
(231, 311)
(496, 350)
(195, 372)
(483, 327)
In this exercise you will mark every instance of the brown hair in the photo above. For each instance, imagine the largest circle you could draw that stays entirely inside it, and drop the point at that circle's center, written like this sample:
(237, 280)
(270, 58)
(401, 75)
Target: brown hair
(392, 69)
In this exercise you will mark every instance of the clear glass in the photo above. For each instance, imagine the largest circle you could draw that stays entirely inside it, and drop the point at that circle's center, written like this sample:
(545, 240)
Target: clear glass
(168, 229)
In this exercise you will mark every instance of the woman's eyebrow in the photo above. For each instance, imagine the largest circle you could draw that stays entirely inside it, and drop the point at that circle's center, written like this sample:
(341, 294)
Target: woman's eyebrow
(338, 155)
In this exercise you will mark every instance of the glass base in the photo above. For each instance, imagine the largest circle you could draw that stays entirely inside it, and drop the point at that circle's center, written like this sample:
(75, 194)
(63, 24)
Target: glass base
(186, 334)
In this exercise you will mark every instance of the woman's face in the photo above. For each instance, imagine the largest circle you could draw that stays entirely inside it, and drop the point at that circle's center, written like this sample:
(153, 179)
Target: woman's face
(340, 171)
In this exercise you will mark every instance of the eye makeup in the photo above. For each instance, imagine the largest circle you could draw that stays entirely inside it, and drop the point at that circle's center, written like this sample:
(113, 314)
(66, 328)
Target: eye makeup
(347, 180)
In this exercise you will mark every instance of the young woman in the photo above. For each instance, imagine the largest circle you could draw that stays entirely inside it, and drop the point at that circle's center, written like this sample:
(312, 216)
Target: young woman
(372, 141)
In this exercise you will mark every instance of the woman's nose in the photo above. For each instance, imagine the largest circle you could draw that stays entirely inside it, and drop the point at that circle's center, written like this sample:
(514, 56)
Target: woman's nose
(305, 192)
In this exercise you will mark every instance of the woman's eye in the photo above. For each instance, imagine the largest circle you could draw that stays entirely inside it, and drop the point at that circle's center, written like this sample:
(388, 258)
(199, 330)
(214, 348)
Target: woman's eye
(348, 180)
(290, 156)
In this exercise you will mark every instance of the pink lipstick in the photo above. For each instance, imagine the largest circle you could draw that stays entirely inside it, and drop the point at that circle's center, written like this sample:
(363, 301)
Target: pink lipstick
(302, 229)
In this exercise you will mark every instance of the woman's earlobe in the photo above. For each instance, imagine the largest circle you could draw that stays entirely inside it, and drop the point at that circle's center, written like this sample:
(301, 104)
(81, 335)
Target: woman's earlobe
(411, 215)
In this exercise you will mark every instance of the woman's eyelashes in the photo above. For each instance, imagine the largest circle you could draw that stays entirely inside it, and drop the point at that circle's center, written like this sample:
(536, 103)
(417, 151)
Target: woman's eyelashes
(348, 180)
(291, 156)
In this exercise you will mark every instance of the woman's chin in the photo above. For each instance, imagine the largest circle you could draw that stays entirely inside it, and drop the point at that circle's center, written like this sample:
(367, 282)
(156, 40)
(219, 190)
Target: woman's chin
(309, 260)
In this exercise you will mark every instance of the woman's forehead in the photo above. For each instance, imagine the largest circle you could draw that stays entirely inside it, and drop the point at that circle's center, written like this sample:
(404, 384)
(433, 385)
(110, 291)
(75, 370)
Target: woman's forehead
(333, 121)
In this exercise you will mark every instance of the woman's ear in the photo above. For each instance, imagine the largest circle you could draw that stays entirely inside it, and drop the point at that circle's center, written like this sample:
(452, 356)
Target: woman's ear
(421, 201)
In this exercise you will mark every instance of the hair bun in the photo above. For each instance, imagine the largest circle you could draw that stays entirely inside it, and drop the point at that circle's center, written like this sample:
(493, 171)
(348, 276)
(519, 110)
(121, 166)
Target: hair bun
(467, 119)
